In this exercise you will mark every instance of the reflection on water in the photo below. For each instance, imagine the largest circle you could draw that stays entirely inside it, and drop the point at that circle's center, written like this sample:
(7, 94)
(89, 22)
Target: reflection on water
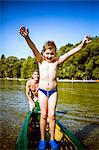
(81, 100)
(14, 108)
(78, 105)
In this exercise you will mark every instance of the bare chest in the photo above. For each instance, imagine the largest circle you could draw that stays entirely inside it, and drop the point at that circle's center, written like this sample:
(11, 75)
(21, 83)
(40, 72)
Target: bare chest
(34, 87)
(45, 66)
(48, 70)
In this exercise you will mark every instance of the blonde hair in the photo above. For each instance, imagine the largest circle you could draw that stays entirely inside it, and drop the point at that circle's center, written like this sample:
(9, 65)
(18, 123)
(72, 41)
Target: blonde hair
(49, 45)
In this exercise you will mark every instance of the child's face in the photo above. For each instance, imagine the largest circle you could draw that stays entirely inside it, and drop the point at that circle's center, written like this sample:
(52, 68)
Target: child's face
(49, 54)
(35, 76)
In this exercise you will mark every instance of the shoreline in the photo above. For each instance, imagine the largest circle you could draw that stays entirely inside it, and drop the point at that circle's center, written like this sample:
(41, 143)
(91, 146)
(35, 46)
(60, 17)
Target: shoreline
(78, 81)
(59, 80)
(12, 79)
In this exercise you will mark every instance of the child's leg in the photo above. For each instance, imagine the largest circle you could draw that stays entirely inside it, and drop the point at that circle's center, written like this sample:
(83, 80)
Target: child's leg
(43, 101)
(51, 113)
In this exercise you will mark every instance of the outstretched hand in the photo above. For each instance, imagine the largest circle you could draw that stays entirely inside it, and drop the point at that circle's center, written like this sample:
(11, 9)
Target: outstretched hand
(86, 40)
(24, 31)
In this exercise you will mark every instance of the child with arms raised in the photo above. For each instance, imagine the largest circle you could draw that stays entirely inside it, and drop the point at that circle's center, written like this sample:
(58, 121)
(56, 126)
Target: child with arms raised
(47, 92)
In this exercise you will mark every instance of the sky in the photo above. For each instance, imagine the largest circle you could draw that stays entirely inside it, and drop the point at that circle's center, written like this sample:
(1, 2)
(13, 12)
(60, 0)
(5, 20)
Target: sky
(61, 21)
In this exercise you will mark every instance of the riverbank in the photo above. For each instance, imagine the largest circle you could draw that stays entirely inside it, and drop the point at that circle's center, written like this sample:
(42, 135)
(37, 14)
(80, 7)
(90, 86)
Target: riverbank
(76, 81)
(17, 79)
(59, 80)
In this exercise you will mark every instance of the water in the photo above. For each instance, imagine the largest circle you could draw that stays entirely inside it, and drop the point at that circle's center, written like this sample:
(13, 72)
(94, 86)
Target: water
(78, 110)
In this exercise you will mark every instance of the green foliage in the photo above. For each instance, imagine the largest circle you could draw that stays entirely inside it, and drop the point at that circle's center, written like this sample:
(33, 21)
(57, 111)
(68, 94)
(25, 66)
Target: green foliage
(82, 65)
(28, 66)
(17, 69)
(7, 66)
(95, 73)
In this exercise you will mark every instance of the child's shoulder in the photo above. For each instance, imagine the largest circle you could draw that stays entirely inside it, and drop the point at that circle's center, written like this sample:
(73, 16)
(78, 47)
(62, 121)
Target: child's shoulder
(55, 60)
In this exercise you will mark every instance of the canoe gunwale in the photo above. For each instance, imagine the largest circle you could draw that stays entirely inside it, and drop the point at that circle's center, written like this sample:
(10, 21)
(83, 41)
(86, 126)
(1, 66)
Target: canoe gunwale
(73, 138)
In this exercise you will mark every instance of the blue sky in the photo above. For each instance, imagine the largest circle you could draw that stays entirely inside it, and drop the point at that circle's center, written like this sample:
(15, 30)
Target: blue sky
(61, 21)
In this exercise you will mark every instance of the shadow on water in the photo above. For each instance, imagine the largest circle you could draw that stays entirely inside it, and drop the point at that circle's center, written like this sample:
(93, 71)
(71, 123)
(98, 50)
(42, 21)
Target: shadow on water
(85, 132)
(85, 128)
(86, 135)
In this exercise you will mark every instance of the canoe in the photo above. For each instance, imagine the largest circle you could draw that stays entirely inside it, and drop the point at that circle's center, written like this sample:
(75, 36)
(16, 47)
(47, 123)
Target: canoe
(29, 135)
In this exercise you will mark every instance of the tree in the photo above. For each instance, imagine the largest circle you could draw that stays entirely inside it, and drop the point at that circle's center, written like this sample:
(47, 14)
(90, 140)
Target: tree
(28, 66)
(17, 69)
(2, 68)
(95, 73)
(2, 56)
(9, 63)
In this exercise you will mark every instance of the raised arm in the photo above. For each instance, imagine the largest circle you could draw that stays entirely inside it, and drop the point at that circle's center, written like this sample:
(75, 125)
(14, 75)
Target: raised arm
(84, 42)
(25, 33)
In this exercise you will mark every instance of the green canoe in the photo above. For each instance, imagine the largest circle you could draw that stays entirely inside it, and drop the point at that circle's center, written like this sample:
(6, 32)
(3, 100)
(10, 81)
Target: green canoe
(29, 135)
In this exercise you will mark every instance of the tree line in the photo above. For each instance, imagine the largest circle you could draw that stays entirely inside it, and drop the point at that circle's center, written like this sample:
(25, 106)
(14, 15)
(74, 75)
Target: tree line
(82, 65)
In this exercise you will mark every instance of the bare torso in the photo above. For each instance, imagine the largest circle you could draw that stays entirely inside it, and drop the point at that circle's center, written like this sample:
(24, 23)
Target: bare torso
(33, 89)
(48, 75)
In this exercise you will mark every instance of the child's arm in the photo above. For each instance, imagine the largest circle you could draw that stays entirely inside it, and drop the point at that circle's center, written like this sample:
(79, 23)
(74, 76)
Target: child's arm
(25, 33)
(74, 50)
(27, 93)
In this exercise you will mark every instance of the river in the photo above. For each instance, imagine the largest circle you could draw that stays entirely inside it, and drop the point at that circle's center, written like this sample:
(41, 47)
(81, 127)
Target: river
(78, 110)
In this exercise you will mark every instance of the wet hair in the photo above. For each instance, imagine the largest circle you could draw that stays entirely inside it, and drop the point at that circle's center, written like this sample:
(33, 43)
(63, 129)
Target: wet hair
(48, 45)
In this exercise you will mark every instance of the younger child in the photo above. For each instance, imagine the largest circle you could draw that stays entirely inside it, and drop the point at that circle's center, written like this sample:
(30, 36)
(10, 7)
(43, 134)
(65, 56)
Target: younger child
(48, 65)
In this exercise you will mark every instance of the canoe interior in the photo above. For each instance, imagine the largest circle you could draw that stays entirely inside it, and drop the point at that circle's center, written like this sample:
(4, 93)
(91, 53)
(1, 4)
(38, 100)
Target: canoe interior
(65, 139)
